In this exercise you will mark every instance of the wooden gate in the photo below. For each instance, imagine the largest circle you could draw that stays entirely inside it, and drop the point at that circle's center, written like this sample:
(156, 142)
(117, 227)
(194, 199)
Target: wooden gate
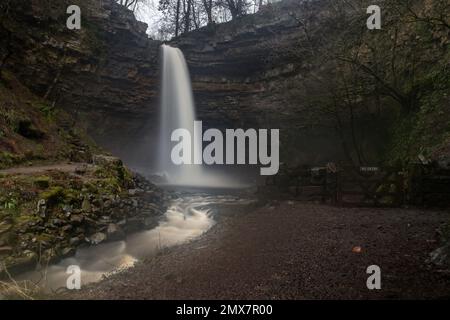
(370, 186)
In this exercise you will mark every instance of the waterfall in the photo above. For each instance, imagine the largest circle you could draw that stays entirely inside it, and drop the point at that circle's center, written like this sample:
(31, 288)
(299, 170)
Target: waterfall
(177, 111)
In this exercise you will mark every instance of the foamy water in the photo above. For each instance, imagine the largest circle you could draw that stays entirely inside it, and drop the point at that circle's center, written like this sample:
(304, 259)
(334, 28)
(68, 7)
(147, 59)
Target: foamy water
(186, 219)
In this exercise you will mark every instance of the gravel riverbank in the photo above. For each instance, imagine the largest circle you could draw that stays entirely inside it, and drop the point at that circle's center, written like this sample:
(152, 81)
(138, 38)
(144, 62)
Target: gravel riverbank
(293, 250)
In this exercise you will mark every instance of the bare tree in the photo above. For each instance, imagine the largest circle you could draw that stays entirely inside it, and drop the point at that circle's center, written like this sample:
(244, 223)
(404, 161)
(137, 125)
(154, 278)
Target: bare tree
(208, 7)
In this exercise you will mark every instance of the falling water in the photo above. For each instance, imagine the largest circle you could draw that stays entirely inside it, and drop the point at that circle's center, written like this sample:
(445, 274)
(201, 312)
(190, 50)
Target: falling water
(178, 111)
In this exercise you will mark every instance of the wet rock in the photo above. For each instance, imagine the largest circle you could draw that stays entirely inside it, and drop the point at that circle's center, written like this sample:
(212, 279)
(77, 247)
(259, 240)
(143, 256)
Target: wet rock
(103, 160)
(97, 238)
(114, 232)
(4, 227)
(105, 220)
(67, 209)
(5, 251)
(67, 228)
(74, 241)
(68, 252)
(25, 262)
(86, 205)
(133, 192)
(78, 218)
(95, 210)
(134, 224)
(41, 209)
(150, 223)
(57, 222)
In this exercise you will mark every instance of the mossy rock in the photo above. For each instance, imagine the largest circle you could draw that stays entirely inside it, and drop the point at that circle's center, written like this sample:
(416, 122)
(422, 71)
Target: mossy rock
(42, 182)
(8, 159)
(54, 195)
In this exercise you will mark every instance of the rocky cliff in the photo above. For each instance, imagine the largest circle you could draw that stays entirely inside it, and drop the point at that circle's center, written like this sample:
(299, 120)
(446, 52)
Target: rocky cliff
(104, 73)
(107, 72)
(245, 74)
(280, 68)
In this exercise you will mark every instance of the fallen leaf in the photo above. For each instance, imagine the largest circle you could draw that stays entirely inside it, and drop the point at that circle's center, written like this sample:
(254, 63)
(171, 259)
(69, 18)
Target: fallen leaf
(357, 249)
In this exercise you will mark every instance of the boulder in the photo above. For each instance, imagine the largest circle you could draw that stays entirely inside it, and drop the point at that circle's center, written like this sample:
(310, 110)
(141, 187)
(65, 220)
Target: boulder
(97, 238)
(4, 227)
(5, 251)
(103, 160)
(68, 252)
(41, 209)
(74, 241)
(76, 218)
(114, 232)
(86, 205)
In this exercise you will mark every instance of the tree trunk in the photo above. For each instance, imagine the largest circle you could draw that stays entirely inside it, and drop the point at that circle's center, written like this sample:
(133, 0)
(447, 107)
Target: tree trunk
(187, 21)
(208, 8)
(177, 19)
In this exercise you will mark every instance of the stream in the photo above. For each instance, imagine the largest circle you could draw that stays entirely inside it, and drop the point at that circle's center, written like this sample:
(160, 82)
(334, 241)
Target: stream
(186, 218)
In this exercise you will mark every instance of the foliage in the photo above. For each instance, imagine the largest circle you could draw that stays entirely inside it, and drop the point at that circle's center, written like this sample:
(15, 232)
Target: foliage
(400, 72)
(47, 110)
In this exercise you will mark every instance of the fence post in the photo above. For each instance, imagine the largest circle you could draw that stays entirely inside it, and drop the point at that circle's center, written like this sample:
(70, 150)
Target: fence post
(338, 187)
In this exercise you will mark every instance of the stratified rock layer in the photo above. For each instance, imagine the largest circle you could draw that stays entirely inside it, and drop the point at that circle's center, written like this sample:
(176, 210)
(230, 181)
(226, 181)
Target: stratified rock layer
(244, 72)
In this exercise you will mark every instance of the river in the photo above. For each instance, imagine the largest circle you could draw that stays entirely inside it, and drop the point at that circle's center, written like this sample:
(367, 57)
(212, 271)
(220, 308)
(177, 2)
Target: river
(186, 218)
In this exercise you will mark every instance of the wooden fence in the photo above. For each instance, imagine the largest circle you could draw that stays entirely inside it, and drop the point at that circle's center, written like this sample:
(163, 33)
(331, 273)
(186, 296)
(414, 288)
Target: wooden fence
(369, 186)
(363, 186)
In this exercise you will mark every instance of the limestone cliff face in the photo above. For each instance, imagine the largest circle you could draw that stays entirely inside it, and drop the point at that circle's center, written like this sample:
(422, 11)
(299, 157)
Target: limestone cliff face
(107, 72)
(246, 73)
(238, 71)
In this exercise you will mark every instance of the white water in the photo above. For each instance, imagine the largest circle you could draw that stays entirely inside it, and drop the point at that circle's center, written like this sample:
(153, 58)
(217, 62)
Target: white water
(178, 111)
(186, 219)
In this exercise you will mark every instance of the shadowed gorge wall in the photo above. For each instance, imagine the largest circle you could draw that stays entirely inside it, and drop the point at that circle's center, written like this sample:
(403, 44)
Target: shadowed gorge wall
(105, 73)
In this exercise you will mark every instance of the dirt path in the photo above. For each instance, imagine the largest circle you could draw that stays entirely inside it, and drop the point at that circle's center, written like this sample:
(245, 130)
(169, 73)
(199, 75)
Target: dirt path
(293, 251)
(64, 167)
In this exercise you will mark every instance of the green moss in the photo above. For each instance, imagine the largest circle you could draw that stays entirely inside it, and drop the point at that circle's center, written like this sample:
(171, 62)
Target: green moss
(48, 111)
(42, 182)
(72, 196)
(54, 195)
(9, 205)
(8, 159)
(116, 176)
